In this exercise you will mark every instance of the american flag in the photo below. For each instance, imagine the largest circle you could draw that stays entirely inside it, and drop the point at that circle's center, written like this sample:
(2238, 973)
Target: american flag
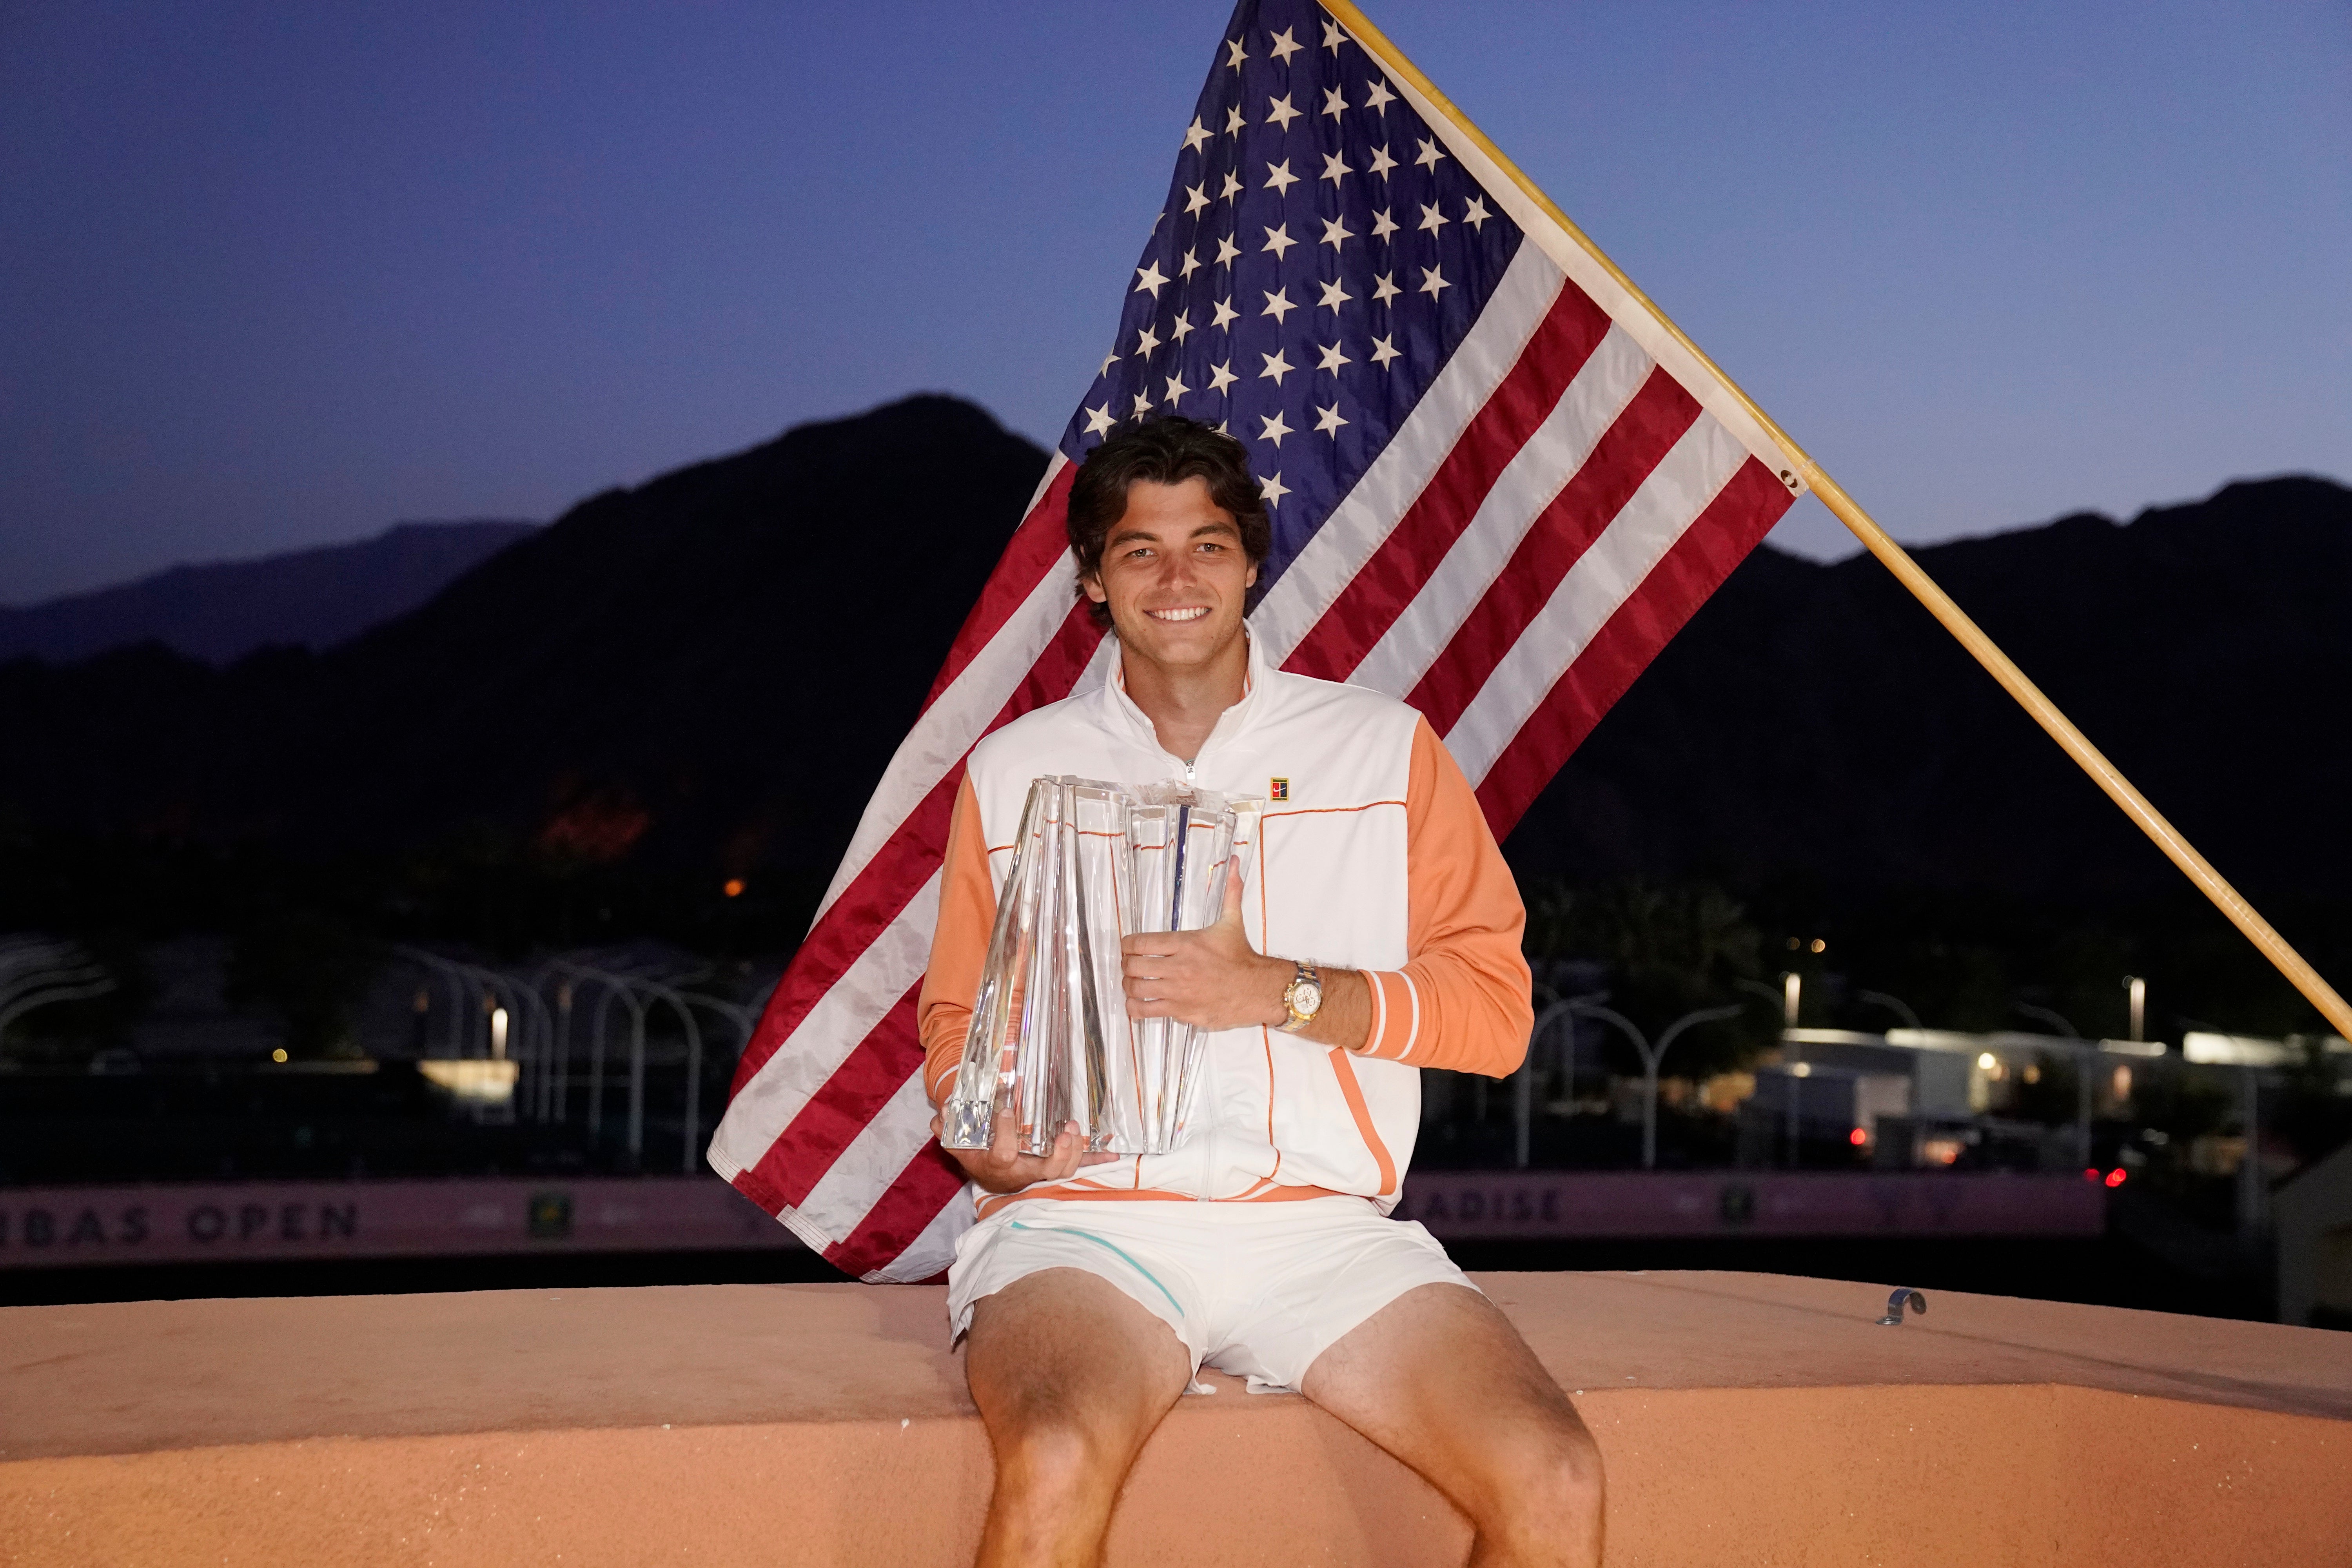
(1498, 481)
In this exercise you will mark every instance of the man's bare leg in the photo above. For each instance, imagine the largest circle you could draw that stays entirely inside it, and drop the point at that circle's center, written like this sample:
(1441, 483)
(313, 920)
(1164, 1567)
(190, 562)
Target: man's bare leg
(1070, 1376)
(1439, 1378)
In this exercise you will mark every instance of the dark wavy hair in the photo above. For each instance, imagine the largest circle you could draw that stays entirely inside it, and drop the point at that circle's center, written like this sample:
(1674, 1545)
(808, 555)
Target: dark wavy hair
(1167, 450)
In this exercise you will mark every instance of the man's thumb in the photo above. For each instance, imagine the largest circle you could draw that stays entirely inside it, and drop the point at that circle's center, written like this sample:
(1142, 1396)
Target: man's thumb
(1233, 892)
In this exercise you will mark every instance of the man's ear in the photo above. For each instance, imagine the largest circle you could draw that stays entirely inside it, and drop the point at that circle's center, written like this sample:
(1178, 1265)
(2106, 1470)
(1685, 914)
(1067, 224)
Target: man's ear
(1091, 584)
(1251, 581)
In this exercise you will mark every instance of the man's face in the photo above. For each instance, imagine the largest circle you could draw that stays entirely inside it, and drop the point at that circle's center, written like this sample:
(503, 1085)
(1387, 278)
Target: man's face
(1175, 574)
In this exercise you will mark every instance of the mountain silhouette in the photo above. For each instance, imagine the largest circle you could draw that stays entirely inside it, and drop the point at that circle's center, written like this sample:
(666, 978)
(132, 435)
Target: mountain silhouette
(220, 611)
(706, 674)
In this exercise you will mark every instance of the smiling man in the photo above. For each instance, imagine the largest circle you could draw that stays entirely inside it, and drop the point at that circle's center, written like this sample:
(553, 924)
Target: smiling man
(1378, 934)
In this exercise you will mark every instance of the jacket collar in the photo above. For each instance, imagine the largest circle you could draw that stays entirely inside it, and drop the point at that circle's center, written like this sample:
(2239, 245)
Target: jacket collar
(1121, 715)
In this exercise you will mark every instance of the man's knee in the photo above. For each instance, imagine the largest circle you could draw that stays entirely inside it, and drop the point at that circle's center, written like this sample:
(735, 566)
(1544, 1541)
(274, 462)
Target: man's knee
(1053, 1461)
(1551, 1485)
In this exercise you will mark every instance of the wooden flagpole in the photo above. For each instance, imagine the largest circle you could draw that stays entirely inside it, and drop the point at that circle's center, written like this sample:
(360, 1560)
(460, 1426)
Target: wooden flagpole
(1907, 572)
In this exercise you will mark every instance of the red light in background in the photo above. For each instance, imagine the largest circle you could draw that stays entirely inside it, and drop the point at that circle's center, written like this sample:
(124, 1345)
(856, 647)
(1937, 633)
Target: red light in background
(2115, 1177)
(734, 888)
(1857, 1137)
(2091, 1174)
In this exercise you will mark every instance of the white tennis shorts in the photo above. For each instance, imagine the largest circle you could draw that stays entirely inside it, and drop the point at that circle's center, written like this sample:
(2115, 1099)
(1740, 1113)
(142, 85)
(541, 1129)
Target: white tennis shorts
(1257, 1289)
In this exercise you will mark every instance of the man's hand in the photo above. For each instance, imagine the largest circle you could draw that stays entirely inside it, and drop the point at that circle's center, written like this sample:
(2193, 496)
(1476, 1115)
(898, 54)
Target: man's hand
(1211, 977)
(1002, 1168)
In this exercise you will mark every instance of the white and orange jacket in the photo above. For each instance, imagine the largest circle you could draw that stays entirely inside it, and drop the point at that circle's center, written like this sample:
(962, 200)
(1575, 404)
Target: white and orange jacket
(1371, 855)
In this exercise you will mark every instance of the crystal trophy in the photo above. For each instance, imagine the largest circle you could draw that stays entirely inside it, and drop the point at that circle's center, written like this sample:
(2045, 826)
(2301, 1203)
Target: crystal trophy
(1051, 1040)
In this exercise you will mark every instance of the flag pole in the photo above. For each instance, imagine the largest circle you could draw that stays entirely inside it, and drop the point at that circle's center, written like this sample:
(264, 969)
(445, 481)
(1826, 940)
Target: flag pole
(1906, 570)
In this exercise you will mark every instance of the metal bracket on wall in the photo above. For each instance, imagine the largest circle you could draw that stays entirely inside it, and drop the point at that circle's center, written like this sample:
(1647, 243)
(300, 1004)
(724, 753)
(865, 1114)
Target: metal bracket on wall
(1904, 1296)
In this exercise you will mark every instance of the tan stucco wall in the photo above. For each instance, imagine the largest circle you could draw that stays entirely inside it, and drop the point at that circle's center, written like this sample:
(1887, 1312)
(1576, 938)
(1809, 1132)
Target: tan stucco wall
(1745, 1419)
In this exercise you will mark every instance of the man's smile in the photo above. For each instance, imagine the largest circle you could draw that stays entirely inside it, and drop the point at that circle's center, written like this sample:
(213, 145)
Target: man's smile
(1186, 613)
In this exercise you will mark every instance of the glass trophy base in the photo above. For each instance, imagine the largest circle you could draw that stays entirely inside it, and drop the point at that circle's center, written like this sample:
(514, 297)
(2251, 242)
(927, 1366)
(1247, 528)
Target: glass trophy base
(966, 1125)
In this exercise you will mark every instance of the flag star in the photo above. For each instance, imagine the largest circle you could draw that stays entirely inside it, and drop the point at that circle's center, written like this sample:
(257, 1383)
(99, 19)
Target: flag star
(1145, 343)
(1233, 121)
(1194, 134)
(1332, 36)
(1184, 328)
(1285, 45)
(1429, 157)
(1236, 54)
(1334, 165)
(1221, 428)
(1278, 240)
(1433, 279)
(1278, 305)
(1432, 220)
(1148, 279)
(1381, 162)
(1383, 226)
(1278, 111)
(1176, 389)
(1384, 350)
(1109, 360)
(1335, 230)
(1277, 367)
(1474, 214)
(1142, 406)
(1380, 97)
(1232, 185)
(1333, 358)
(1221, 376)
(1333, 102)
(1335, 294)
(1226, 314)
(1278, 177)
(1328, 421)
(1384, 288)
(1195, 197)
(1227, 251)
(1273, 490)
(1190, 264)
(1274, 429)
(1098, 420)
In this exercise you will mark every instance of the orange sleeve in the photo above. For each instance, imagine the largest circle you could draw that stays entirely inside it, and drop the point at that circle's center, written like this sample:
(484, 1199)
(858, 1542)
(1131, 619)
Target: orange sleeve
(959, 946)
(1462, 999)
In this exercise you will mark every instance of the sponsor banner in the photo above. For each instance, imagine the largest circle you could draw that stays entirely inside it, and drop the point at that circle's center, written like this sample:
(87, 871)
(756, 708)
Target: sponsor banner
(72, 1227)
(1486, 1206)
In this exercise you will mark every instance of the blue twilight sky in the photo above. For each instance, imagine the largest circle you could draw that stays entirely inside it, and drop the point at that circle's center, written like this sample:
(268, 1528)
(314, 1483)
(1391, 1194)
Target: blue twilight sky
(280, 275)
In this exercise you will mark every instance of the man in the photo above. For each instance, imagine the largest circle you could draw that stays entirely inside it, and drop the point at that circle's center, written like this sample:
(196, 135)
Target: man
(1379, 933)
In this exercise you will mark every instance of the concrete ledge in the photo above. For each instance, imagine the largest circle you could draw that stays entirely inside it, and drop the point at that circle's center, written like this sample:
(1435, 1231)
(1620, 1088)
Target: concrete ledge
(1746, 1419)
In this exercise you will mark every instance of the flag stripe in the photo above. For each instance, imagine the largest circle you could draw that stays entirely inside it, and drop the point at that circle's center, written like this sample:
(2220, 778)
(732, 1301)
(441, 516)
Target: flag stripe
(907, 1210)
(841, 1107)
(1734, 523)
(838, 1200)
(1560, 446)
(1396, 571)
(1676, 491)
(1624, 459)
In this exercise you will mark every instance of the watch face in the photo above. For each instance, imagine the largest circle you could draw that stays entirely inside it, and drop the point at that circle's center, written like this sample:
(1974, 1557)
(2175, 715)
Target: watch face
(1305, 997)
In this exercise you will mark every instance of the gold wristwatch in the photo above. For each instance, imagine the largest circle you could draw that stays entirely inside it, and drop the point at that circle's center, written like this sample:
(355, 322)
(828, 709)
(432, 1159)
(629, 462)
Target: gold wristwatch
(1302, 999)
